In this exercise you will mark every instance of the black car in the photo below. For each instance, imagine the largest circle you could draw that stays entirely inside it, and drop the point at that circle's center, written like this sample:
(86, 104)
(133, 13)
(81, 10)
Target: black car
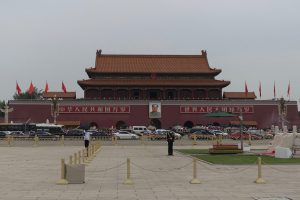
(95, 133)
(2, 134)
(202, 134)
(75, 132)
(44, 135)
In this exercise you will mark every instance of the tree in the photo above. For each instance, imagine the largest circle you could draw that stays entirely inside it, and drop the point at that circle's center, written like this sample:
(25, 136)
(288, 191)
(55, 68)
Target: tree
(2, 104)
(36, 94)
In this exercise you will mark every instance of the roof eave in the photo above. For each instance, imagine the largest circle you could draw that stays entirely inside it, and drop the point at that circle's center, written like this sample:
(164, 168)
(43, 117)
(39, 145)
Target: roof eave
(83, 84)
(93, 71)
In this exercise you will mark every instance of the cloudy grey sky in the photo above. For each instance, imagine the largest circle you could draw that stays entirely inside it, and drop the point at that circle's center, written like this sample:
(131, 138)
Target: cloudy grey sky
(55, 40)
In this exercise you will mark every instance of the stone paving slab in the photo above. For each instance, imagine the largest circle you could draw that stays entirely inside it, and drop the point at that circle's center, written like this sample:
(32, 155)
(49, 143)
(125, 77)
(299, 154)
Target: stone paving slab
(31, 173)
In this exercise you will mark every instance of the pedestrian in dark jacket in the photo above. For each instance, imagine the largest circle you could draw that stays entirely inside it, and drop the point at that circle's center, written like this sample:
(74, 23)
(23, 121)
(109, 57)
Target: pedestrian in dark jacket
(170, 140)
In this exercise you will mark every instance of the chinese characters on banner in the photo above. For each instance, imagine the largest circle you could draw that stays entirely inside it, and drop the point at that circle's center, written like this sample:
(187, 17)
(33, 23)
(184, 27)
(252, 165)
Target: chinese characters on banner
(208, 109)
(94, 109)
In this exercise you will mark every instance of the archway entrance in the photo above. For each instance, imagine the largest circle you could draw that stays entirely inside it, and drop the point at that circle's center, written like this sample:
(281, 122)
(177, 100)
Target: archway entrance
(121, 125)
(156, 123)
(188, 124)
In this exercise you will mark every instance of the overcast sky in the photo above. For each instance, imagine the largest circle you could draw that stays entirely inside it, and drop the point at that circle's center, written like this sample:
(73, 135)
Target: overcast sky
(55, 40)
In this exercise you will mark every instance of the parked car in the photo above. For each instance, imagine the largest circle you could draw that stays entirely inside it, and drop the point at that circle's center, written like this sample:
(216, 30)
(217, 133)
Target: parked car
(125, 135)
(6, 132)
(2, 134)
(97, 133)
(18, 134)
(139, 130)
(218, 132)
(75, 132)
(159, 134)
(44, 135)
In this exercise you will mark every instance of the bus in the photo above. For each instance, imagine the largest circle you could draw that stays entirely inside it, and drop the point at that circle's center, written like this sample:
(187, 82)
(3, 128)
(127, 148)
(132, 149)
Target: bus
(51, 128)
(32, 127)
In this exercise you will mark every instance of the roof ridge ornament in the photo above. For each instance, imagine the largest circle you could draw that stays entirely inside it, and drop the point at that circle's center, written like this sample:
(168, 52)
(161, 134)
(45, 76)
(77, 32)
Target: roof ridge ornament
(98, 52)
(204, 53)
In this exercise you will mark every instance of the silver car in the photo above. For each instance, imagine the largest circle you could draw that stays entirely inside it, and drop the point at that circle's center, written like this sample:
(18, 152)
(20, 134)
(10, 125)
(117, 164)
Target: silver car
(120, 135)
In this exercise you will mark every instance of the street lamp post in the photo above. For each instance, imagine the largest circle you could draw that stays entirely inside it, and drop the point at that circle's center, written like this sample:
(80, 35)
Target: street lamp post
(6, 109)
(241, 131)
(54, 109)
(282, 111)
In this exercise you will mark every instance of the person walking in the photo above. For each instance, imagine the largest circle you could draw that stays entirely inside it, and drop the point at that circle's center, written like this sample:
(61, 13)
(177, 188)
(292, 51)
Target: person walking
(87, 138)
(170, 140)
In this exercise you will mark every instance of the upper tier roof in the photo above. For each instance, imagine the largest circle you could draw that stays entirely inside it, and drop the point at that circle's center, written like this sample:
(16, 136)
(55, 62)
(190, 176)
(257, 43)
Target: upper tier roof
(106, 63)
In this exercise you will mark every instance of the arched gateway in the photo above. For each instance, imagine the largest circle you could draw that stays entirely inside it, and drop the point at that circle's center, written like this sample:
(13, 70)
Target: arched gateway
(121, 125)
(188, 124)
(156, 123)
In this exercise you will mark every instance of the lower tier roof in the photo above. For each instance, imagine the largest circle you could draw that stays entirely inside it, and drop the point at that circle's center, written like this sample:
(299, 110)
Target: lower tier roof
(152, 82)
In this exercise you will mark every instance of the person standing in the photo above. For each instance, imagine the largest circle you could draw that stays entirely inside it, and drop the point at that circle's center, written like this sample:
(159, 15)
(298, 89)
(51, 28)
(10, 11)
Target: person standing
(170, 140)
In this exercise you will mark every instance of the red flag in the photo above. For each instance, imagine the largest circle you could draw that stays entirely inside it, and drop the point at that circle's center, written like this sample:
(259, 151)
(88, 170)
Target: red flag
(259, 89)
(46, 88)
(63, 87)
(18, 88)
(31, 88)
(246, 89)
(274, 90)
(289, 89)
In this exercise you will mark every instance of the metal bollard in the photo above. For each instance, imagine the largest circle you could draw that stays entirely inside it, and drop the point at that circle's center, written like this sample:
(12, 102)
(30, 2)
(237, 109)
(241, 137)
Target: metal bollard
(259, 179)
(36, 140)
(195, 140)
(93, 150)
(115, 140)
(62, 180)
(249, 140)
(128, 181)
(8, 140)
(89, 155)
(195, 180)
(90, 152)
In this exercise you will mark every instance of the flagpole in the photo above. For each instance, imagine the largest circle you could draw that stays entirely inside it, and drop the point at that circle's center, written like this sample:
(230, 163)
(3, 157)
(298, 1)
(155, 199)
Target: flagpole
(289, 91)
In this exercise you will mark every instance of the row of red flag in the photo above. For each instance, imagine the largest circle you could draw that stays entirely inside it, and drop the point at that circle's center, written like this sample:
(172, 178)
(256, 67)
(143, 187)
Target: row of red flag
(274, 89)
(31, 88)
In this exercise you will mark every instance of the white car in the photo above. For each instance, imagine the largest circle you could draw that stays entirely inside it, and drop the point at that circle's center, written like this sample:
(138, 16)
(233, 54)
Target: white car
(218, 132)
(125, 135)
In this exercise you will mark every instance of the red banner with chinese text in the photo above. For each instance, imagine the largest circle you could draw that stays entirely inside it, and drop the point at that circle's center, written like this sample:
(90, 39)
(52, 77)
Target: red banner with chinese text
(94, 109)
(208, 109)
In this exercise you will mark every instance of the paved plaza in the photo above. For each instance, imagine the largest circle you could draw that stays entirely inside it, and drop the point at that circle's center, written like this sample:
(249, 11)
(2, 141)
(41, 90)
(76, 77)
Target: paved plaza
(30, 173)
